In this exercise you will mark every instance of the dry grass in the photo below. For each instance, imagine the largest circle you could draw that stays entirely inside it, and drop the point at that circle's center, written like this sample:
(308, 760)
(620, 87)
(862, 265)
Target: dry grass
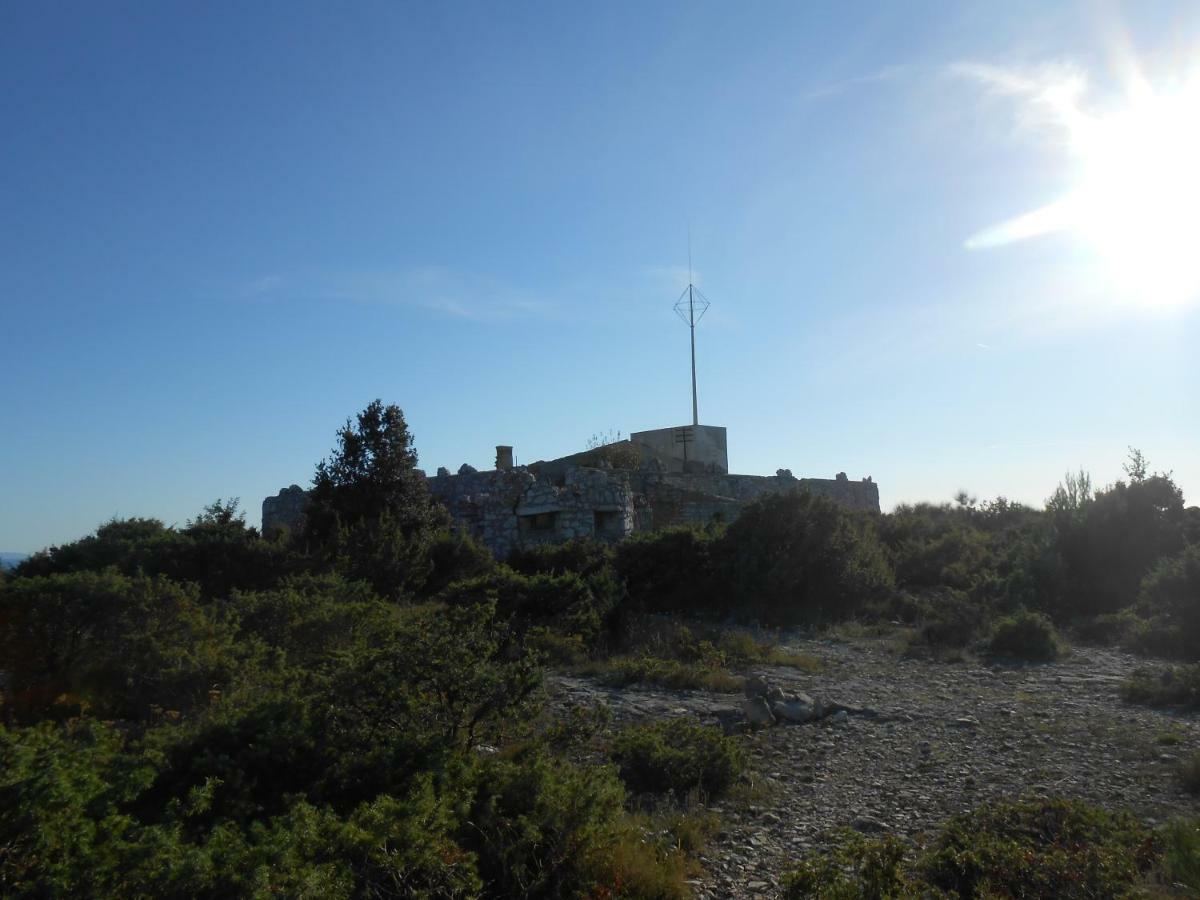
(620, 671)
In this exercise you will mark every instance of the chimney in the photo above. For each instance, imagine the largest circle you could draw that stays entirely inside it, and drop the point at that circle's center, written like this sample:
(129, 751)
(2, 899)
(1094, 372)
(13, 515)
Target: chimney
(503, 458)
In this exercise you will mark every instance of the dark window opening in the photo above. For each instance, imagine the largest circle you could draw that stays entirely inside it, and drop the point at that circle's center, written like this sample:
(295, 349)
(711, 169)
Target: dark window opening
(539, 523)
(607, 522)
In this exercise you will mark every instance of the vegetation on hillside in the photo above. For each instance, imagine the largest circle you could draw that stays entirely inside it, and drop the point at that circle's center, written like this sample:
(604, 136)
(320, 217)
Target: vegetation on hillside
(356, 709)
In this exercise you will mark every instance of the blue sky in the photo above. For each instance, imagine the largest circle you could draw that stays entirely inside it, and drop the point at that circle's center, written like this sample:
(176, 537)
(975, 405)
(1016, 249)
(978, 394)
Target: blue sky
(226, 227)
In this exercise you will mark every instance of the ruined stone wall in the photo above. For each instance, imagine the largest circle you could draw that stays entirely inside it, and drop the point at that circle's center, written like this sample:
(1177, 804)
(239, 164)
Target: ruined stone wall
(510, 510)
(677, 499)
(284, 511)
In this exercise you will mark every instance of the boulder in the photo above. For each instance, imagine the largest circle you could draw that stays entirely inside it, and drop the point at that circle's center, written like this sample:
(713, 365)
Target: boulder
(802, 698)
(794, 710)
(755, 686)
(757, 711)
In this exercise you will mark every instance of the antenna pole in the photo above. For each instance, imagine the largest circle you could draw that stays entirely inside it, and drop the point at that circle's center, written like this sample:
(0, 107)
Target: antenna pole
(691, 313)
(692, 327)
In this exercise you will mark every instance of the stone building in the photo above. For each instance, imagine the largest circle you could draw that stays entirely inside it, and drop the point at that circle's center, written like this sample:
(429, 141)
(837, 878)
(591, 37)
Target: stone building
(655, 479)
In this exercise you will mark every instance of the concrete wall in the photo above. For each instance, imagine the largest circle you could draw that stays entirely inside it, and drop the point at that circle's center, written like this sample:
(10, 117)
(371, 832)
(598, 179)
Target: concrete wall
(707, 449)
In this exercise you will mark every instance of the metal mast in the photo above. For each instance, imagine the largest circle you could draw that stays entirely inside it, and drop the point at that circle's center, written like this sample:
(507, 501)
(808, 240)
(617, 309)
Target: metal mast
(696, 307)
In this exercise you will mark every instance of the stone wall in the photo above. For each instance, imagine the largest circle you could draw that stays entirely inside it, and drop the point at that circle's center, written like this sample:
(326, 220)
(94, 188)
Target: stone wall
(284, 511)
(511, 509)
(863, 495)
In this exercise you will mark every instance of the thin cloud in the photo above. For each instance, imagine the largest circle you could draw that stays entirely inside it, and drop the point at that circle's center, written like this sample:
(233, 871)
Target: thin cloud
(435, 289)
(1046, 103)
(1047, 220)
(1047, 96)
(834, 88)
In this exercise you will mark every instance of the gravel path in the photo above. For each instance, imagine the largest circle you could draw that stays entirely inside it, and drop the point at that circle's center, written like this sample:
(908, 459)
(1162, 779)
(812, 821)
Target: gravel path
(934, 740)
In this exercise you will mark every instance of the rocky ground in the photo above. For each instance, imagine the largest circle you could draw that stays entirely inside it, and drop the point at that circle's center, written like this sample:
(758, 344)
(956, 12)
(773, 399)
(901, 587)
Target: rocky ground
(926, 740)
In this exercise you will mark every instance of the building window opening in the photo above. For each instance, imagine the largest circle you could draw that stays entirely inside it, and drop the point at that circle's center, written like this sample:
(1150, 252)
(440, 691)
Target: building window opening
(539, 523)
(607, 523)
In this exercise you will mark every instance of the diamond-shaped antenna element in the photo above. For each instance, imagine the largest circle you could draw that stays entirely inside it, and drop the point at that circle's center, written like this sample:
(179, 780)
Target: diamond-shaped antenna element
(691, 305)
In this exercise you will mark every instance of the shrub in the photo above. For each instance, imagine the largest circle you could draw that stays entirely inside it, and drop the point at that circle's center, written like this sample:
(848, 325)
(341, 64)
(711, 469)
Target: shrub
(952, 621)
(1110, 541)
(677, 756)
(798, 558)
(857, 868)
(581, 556)
(936, 546)
(1170, 600)
(216, 551)
(454, 556)
(564, 603)
(1042, 848)
(110, 642)
(743, 648)
(668, 673)
(1033, 849)
(557, 649)
(538, 823)
(1109, 628)
(1175, 686)
(634, 868)
(1181, 853)
(1026, 635)
(669, 570)
(309, 617)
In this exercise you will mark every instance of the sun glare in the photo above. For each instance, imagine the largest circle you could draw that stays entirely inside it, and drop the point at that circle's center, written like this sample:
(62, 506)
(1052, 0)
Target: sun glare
(1138, 202)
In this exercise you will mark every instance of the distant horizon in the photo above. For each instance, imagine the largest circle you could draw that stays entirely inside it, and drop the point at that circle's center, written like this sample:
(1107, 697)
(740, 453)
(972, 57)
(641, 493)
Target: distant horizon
(253, 510)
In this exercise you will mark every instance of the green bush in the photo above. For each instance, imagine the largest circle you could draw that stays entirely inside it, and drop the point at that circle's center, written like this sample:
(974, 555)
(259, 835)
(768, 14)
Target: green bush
(1043, 848)
(564, 603)
(670, 570)
(798, 558)
(1040, 850)
(1026, 635)
(1109, 541)
(677, 756)
(1169, 601)
(1181, 854)
(581, 556)
(621, 671)
(216, 551)
(857, 869)
(536, 823)
(111, 643)
(453, 556)
(1174, 686)
(951, 621)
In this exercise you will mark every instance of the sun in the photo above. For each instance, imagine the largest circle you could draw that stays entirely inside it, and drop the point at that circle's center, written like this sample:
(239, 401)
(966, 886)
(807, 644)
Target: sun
(1137, 203)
